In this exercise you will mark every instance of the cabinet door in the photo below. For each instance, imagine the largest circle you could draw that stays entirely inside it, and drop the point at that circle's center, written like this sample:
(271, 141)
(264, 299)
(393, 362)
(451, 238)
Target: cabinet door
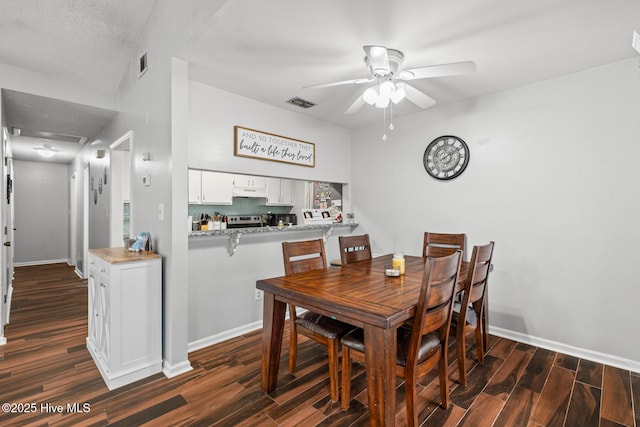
(249, 181)
(195, 186)
(217, 188)
(286, 192)
(273, 191)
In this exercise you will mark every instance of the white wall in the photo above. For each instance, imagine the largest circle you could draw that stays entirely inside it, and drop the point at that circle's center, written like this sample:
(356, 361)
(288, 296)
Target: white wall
(213, 113)
(41, 196)
(222, 287)
(552, 179)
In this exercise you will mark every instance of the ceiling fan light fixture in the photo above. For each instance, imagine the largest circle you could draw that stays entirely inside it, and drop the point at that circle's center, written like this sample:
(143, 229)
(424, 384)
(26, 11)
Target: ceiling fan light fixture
(399, 93)
(370, 95)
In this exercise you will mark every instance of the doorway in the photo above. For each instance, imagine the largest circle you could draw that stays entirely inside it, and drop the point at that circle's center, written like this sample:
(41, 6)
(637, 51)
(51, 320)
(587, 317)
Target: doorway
(121, 189)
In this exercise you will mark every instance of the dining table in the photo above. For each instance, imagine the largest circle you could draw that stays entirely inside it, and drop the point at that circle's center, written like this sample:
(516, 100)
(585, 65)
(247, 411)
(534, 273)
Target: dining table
(361, 295)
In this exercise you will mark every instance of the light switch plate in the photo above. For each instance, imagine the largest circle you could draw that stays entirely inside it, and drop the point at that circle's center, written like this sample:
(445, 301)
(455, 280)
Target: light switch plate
(636, 41)
(146, 180)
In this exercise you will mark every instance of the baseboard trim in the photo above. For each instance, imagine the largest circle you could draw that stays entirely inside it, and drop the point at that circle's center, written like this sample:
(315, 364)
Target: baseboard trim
(79, 273)
(223, 336)
(594, 356)
(43, 262)
(171, 371)
(3, 340)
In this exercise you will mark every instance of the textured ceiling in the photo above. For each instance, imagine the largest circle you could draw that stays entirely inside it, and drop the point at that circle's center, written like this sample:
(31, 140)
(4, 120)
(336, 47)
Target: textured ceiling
(89, 42)
(270, 50)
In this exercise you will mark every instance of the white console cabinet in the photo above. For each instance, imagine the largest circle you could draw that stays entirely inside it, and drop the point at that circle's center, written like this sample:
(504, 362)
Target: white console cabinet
(125, 314)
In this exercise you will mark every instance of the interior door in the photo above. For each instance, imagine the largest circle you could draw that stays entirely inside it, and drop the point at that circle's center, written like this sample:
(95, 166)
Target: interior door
(8, 236)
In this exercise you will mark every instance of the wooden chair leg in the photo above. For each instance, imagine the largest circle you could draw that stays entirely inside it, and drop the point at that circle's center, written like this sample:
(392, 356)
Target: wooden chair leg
(293, 346)
(462, 350)
(479, 332)
(444, 385)
(332, 351)
(346, 379)
(411, 397)
(479, 342)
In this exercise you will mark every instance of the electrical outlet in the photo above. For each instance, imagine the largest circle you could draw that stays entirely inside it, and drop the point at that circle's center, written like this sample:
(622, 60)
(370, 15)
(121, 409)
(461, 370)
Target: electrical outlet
(259, 295)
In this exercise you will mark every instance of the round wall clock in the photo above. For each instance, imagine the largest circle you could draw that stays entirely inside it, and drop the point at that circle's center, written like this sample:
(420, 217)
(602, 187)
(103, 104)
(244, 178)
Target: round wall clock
(446, 157)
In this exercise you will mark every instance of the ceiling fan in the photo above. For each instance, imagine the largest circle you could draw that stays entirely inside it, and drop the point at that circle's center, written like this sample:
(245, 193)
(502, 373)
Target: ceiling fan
(384, 66)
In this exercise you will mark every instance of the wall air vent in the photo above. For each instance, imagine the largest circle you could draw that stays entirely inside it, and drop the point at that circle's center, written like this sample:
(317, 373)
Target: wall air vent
(143, 64)
(301, 102)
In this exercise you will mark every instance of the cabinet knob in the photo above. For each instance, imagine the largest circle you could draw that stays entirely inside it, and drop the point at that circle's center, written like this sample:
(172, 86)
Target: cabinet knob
(103, 285)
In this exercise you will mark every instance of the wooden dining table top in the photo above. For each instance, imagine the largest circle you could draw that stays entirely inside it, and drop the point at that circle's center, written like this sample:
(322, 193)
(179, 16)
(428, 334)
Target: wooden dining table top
(357, 293)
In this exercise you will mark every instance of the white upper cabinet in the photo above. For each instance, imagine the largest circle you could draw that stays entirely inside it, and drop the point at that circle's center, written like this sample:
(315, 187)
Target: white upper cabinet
(213, 188)
(195, 186)
(249, 186)
(279, 192)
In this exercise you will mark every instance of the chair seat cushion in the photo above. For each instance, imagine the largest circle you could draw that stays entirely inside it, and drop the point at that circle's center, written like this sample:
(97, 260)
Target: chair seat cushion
(430, 344)
(471, 316)
(323, 325)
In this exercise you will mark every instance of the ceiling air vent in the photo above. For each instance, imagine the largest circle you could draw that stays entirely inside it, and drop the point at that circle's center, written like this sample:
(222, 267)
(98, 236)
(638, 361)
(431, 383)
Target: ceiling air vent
(301, 102)
(50, 136)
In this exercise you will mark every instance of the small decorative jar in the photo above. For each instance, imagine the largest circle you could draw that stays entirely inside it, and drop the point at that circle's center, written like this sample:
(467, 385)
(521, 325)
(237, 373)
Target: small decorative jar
(398, 262)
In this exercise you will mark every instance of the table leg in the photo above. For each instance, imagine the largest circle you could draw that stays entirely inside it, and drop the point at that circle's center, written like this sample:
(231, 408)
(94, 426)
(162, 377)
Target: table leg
(273, 326)
(380, 363)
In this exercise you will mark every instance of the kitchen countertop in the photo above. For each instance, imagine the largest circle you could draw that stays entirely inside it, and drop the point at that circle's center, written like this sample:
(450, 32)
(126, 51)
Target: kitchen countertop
(268, 229)
(117, 255)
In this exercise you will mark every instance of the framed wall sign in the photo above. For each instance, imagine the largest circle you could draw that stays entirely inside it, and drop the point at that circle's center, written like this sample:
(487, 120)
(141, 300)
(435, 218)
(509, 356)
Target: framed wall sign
(277, 148)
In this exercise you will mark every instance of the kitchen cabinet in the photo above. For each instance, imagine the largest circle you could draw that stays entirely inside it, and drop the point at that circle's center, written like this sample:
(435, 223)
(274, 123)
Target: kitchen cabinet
(213, 188)
(249, 186)
(125, 314)
(279, 192)
(195, 186)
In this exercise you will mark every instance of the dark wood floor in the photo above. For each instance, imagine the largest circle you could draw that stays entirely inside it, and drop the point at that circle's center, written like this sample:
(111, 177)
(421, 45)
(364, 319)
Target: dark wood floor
(45, 364)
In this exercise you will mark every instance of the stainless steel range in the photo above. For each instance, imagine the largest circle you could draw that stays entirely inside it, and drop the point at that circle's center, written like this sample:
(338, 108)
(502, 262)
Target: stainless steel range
(242, 221)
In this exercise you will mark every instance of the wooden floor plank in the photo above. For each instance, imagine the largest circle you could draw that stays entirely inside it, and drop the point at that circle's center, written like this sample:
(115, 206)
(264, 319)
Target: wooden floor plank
(537, 370)
(584, 406)
(483, 412)
(517, 409)
(590, 373)
(46, 360)
(616, 396)
(551, 409)
(508, 375)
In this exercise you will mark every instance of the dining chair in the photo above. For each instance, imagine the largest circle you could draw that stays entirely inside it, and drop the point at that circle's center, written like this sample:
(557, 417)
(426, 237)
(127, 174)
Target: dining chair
(354, 248)
(442, 244)
(472, 308)
(301, 257)
(421, 344)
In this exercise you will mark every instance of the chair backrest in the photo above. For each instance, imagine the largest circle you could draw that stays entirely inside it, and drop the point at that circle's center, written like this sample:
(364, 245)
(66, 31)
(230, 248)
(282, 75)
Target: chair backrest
(476, 281)
(435, 305)
(442, 244)
(354, 248)
(304, 256)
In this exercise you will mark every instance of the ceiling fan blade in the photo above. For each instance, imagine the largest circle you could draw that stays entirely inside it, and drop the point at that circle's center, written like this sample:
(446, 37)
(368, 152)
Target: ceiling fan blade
(453, 69)
(417, 97)
(356, 106)
(378, 58)
(343, 82)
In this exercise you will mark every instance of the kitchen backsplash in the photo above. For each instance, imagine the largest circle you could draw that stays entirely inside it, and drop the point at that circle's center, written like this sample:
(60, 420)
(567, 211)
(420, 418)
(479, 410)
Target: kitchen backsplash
(240, 206)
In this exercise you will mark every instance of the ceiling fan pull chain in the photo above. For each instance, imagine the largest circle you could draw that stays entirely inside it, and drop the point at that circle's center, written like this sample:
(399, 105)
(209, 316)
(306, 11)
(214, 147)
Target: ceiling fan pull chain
(391, 116)
(384, 123)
